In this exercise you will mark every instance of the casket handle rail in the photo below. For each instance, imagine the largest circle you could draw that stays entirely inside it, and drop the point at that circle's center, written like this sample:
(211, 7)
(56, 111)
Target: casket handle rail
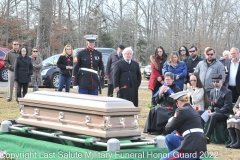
(105, 126)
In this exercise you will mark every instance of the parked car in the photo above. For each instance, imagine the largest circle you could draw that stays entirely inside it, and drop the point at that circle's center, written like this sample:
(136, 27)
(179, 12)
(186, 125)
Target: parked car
(147, 72)
(3, 70)
(50, 71)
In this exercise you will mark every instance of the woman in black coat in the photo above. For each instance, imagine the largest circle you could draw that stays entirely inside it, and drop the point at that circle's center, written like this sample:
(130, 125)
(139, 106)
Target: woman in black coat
(65, 63)
(23, 70)
(159, 115)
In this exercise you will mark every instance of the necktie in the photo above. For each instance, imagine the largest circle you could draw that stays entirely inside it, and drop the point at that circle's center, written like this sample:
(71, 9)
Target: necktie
(216, 92)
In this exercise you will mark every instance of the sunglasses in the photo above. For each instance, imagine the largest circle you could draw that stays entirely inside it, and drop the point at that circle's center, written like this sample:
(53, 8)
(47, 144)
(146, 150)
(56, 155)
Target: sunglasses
(182, 50)
(193, 80)
(192, 51)
(23, 51)
(15, 44)
(210, 54)
(34, 51)
(215, 81)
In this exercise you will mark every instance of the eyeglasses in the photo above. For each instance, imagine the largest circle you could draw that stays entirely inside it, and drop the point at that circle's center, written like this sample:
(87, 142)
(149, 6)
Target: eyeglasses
(15, 44)
(192, 51)
(181, 50)
(216, 81)
(23, 51)
(34, 51)
(193, 80)
(210, 54)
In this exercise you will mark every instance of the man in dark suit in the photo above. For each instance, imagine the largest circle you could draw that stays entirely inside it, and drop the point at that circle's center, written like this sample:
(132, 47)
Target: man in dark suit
(221, 101)
(112, 60)
(127, 77)
(232, 80)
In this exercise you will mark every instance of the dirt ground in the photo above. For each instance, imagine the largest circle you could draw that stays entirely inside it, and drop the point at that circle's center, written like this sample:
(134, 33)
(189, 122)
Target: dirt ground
(10, 110)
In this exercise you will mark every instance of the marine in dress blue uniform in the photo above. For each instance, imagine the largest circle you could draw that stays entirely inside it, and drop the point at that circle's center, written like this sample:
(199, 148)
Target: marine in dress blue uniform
(188, 140)
(88, 65)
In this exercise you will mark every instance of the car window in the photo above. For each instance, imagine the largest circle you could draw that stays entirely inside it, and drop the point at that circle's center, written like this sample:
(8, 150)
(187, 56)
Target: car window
(105, 59)
(51, 60)
(2, 54)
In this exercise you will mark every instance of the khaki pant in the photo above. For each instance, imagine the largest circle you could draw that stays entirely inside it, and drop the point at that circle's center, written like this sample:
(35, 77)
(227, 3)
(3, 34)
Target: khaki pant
(11, 85)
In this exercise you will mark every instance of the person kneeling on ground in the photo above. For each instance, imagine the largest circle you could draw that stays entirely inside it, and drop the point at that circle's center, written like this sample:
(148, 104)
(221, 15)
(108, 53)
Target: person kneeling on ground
(188, 139)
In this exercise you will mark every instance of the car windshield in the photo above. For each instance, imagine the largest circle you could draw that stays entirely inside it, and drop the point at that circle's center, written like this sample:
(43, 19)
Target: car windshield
(51, 60)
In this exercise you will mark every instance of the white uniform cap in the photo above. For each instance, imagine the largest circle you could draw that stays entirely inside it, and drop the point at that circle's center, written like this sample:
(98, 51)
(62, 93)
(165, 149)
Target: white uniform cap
(178, 95)
(91, 38)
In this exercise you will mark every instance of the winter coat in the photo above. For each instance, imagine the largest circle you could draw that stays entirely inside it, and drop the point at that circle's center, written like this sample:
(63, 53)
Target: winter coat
(156, 67)
(23, 69)
(36, 76)
(180, 69)
(207, 71)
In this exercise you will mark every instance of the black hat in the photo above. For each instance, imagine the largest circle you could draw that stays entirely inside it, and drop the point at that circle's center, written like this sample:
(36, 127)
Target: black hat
(217, 76)
(121, 46)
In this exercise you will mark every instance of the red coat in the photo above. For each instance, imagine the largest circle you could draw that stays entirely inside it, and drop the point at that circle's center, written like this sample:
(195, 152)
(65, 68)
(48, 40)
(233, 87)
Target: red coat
(156, 66)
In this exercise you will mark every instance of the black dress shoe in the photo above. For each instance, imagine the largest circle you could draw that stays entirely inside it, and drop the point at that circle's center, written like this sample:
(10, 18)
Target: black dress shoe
(229, 145)
(235, 146)
(9, 100)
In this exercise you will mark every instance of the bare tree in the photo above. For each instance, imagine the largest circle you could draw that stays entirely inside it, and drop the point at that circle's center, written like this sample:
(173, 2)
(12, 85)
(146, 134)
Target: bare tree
(44, 28)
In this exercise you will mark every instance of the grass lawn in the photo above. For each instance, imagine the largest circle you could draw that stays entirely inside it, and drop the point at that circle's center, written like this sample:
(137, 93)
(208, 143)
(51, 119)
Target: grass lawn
(10, 110)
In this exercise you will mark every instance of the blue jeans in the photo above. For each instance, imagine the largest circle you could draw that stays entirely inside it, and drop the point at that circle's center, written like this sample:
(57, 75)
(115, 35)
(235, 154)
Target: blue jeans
(87, 91)
(64, 80)
(173, 141)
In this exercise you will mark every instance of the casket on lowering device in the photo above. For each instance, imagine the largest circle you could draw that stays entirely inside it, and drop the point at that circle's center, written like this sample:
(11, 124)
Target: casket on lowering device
(98, 116)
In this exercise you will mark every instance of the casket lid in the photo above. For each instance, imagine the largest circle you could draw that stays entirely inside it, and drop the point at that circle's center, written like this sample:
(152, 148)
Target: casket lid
(79, 102)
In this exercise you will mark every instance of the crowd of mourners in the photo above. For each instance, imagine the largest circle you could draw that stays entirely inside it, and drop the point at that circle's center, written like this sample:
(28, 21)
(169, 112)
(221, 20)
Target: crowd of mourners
(188, 91)
(209, 85)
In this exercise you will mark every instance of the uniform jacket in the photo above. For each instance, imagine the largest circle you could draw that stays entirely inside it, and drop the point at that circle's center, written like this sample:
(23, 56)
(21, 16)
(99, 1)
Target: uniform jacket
(112, 59)
(237, 77)
(222, 102)
(206, 72)
(64, 61)
(180, 69)
(188, 118)
(23, 69)
(191, 65)
(10, 59)
(37, 66)
(156, 67)
(197, 96)
(91, 59)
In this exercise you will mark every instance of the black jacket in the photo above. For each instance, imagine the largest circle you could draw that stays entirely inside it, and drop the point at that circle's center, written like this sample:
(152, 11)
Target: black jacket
(165, 100)
(112, 60)
(90, 59)
(64, 61)
(223, 102)
(159, 115)
(237, 77)
(191, 65)
(188, 118)
(127, 74)
(23, 69)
